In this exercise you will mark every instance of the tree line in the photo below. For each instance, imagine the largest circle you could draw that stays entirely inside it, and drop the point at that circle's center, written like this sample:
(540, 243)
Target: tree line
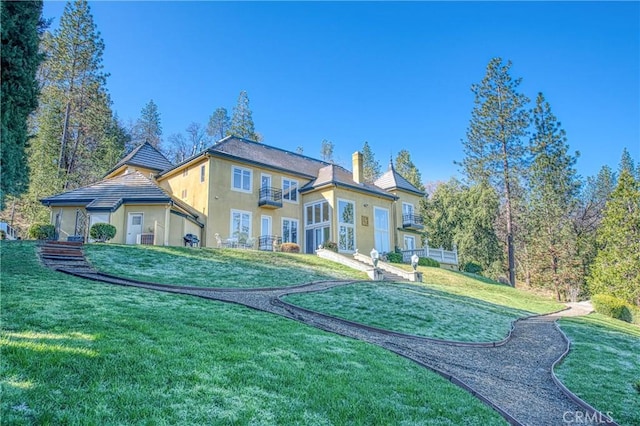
(521, 210)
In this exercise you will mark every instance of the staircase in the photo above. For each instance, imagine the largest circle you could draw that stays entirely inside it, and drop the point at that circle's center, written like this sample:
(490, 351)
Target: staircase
(363, 263)
(65, 255)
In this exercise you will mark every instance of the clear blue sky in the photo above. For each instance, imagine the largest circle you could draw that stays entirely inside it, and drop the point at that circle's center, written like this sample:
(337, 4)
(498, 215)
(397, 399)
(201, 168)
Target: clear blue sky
(397, 75)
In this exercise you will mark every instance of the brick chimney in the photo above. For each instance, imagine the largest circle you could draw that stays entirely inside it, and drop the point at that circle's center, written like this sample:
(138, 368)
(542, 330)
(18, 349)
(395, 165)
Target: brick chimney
(358, 171)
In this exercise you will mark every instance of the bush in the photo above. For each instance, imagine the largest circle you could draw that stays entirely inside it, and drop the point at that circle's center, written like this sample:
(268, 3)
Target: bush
(290, 248)
(427, 261)
(3, 235)
(473, 268)
(102, 232)
(330, 245)
(394, 257)
(42, 231)
(636, 386)
(612, 307)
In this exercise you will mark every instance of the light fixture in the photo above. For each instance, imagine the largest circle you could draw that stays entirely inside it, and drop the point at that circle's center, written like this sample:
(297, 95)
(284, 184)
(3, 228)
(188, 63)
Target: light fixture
(375, 256)
(414, 261)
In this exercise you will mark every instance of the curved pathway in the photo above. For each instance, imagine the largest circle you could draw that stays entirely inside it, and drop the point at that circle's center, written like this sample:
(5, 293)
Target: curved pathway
(514, 376)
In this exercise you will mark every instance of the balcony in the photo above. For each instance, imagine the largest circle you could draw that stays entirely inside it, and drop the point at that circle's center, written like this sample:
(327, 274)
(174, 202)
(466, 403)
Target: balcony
(267, 242)
(270, 198)
(412, 221)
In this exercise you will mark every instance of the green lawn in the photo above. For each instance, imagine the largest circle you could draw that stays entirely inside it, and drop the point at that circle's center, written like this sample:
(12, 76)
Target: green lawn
(214, 267)
(603, 365)
(81, 352)
(414, 309)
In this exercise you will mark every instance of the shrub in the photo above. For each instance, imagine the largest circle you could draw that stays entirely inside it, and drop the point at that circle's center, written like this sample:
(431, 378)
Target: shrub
(290, 248)
(102, 232)
(472, 268)
(330, 245)
(612, 307)
(3, 235)
(42, 231)
(394, 257)
(636, 386)
(427, 261)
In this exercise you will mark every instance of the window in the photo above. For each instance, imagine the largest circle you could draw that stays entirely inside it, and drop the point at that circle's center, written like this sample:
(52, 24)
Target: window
(317, 225)
(240, 224)
(409, 243)
(241, 179)
(290, 190)
(317, 213)
(185, 172)
(184, 193)
(289, 231)
(407, 209)
(346, 226)
(381, 229)
(202, 173)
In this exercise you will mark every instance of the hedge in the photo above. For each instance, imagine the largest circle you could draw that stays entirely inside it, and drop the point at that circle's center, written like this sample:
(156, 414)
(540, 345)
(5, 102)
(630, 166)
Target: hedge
(42, 231)
(102, 232)
(612, 307)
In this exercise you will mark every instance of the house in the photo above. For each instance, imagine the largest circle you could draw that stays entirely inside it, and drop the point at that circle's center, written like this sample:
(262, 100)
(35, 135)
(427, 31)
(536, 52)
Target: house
(243, 192)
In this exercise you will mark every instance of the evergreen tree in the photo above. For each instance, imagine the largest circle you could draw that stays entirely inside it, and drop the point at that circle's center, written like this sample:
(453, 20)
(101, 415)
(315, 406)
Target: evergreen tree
(148, 128)
(616, 268)
(494, 151)
(219, 124)
(405, 167)
(371, 167)
(21, 25)
(326, 150)
(552, 242)
(242, 121)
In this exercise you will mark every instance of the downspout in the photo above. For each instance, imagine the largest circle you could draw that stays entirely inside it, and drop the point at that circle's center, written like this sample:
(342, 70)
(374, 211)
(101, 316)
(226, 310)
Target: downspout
(167, 223)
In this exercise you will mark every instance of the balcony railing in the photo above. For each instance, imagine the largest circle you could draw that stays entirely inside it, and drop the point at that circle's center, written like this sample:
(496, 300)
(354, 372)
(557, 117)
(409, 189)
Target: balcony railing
(266, 242)
(412, 221)
(270, 197)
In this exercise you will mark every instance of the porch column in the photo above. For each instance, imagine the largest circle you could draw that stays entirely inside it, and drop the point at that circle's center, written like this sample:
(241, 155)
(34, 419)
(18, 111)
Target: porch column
(167, 224)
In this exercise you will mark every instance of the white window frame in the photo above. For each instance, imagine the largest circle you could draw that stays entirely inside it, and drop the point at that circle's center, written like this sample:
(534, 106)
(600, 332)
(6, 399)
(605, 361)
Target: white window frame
(286, 195)
(346, 227)
(411, 209)
(242, 171)
(287, 238)
(386, 232)
(316, 223)
(185, 172)
(241, 213)
(203, 173)
(407, 238)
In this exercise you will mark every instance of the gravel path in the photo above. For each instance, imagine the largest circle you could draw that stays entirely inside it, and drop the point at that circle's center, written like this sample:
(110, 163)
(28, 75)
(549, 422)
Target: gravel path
(514, 376)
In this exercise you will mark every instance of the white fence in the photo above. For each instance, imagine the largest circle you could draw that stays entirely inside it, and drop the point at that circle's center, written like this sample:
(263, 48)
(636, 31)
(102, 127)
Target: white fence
(439, 254)
(10, 232)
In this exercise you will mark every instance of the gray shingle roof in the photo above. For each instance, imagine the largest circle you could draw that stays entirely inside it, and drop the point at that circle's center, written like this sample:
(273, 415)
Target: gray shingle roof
(146, 156)
(393, 180)
(339, 176)
(269, 156)
(109, 194)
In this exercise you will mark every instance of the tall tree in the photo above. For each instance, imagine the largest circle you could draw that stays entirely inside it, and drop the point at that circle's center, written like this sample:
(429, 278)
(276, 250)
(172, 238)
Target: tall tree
(21, 26)
(405, 167)
(76, 135)
(242, 120)
(616, 268)
(197, 136)
(494, 151)
(148, 128)
(219, 124)
(326, 150)
(371, 168)
(553, 197)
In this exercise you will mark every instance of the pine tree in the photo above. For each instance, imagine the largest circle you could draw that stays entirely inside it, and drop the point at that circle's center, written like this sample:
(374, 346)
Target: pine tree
(219, 124)
(405, 167)
(148, 128)
(21, 25)
(242, 120)
(494, 151)
(552, 242)
(371, 167)
(616, 268)
(326, 150)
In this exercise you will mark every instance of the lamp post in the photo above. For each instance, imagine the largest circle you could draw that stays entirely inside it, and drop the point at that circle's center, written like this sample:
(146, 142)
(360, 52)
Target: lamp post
(375, 256)
(414, 261)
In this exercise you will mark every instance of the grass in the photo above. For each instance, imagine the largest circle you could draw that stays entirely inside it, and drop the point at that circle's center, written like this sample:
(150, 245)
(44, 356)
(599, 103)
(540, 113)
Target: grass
(414, 309)
(214, 267)
(80, 352)
(603, 365)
